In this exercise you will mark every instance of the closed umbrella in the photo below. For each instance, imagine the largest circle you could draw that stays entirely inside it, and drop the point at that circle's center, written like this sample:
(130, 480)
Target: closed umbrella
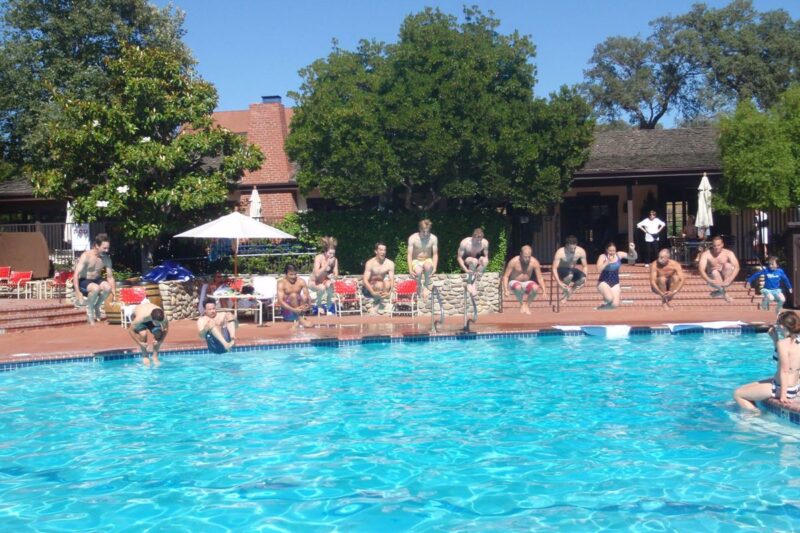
(255, 204)
(705, 215)
(68, 223)
(235, 226)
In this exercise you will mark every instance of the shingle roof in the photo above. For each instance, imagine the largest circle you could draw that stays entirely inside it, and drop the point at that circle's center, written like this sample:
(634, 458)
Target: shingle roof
(653, 150)
(16, 187)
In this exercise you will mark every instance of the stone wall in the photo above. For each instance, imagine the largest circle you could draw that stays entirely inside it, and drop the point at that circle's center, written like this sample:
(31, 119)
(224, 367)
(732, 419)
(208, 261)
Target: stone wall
(181, 299)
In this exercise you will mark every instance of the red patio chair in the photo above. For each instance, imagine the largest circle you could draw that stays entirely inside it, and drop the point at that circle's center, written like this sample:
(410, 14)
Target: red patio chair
(404, 298)
(58, 285)
(5, 274)
(129, 298)
(18, 282)
(347, 298)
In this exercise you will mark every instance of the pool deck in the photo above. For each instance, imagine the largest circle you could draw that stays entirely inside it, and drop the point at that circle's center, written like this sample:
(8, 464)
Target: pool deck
(85, 340)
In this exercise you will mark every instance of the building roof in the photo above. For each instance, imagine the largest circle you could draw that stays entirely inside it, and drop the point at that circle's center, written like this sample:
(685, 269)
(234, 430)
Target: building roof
(235, 121)
(653, 151)
(16, 187)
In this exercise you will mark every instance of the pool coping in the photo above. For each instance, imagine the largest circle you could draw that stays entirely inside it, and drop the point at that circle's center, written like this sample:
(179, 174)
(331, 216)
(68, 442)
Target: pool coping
(790, 414)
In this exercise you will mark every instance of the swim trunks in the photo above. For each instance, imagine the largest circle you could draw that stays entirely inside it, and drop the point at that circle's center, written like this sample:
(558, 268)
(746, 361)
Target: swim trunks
(420, 263)
(151, 326)
(577, 274)
(527, 286)
(213, 343)
(83, 284)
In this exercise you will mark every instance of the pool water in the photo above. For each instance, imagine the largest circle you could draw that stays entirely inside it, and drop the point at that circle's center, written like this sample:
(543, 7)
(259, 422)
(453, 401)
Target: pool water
(553, 433)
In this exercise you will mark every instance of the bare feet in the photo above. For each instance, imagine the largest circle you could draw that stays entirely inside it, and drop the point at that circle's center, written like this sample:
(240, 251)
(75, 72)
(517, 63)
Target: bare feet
(565, 294)
(525, 310)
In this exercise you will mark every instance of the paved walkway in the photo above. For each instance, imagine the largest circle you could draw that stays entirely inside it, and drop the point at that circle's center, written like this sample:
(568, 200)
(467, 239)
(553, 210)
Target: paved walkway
(85, 340)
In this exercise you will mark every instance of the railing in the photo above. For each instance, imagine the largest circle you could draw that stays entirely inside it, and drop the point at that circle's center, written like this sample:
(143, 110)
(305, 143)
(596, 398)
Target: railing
(435, 295)
(467, 320)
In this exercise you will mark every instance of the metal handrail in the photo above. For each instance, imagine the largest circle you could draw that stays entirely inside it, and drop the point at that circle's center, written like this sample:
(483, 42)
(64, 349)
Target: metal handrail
(434, 322)
(468, 321)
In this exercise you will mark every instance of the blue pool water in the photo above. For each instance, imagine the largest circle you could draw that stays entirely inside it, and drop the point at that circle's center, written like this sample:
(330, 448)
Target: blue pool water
(516, 434)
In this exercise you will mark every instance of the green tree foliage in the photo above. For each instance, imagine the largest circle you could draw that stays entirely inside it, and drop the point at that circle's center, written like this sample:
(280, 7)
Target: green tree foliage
(61, 46)
(696, 65)
(761, 155)
(127, 156)
(357, 231)
(444, 116)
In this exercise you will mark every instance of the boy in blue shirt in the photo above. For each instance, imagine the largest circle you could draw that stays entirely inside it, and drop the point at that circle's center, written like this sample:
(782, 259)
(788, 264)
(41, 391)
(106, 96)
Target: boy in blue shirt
(773, 275)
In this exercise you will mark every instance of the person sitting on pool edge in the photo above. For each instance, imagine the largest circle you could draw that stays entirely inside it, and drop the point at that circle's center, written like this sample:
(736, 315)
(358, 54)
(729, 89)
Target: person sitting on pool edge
(217, 329)
(773, 276)
(666, 277)
(784, 385)
(148, 317)
(293, 297)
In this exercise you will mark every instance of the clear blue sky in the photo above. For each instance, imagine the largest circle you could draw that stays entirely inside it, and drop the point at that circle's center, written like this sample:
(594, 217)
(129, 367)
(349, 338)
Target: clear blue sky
(250, 48)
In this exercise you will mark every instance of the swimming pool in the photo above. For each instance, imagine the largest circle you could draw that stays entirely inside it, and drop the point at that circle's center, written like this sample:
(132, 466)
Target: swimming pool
(566, 433)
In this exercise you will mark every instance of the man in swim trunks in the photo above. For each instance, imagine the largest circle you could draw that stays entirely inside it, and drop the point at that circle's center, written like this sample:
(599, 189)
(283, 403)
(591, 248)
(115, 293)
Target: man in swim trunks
(148, 317)
(217, 329)
(771, 291)
(86, 281)
(378, 279)
(423, 255)
(473, 257)
(326, 270)
(719, 267)
(517, 278)
(565, 269)
(666, 277)
(293, 297)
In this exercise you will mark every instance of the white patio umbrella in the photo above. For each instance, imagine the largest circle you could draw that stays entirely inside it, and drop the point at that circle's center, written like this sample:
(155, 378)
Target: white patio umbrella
(255, 204)
(68, 223)
(705, 215)
(235, 226)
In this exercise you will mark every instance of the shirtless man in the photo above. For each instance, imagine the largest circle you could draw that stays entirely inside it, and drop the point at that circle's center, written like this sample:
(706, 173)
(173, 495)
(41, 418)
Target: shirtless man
(378, 279)
(666, 277)
(565, 269)
(148, 317)
(517, 277)
(719, 267)
(217, 329)
(293, 297)
(473, 257)
(326, 270)
(423, 255)
(86, 280)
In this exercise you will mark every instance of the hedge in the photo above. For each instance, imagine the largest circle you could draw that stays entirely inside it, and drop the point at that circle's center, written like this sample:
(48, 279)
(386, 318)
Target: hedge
(358, 230)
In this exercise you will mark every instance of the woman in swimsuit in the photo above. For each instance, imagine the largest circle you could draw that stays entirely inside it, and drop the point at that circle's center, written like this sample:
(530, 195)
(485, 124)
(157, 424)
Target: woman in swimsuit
(784, 384)
(326, 270)
(608, 274)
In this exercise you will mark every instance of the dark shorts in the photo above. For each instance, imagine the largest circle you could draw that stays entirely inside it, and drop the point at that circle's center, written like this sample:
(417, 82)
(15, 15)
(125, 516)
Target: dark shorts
(289, 315)
(150, 326)
(83, 284)
(577, 274)
(214, 344)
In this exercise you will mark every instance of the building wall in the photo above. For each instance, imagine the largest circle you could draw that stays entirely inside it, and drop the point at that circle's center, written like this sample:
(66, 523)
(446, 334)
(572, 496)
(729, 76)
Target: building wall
(640, 193)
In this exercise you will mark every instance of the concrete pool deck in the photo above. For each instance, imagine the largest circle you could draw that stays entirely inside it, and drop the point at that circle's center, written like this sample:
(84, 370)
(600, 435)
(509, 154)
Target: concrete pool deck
(85, 340)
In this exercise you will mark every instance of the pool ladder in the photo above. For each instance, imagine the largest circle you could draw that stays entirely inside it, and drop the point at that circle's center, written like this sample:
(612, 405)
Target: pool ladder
(435, 296)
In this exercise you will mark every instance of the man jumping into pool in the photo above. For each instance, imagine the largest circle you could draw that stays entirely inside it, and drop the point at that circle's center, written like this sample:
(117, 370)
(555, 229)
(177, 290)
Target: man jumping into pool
(293, 297)
(718, 267)
(217, 329)
(148, 317)
(565, 270)
(378, 279)
(473, 257)
(87, 282)
(517, 278)
(423, 255)
(666, 277)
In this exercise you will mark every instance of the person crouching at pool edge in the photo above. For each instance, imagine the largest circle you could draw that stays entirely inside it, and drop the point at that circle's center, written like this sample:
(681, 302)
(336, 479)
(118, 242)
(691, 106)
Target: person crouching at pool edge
(784, 384)
(293, 297)
(217, 329)
(518, 277)
(773, 276)
(608, 265)
(148, 317)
